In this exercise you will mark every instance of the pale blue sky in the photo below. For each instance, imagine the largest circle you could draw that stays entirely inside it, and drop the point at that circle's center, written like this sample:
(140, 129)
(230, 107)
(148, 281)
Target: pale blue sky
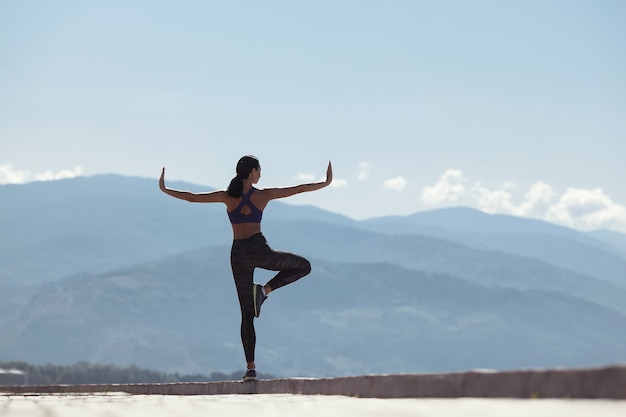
(508, 106)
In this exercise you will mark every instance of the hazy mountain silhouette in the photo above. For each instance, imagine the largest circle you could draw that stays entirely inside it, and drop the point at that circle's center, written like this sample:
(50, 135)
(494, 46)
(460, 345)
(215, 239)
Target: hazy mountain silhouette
(108, 269)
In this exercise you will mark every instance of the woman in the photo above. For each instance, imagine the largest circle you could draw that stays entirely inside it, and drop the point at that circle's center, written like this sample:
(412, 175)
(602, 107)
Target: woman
(245, 205)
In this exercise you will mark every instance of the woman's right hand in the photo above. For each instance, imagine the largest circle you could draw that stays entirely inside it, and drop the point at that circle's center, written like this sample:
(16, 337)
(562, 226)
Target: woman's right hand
(162, 180)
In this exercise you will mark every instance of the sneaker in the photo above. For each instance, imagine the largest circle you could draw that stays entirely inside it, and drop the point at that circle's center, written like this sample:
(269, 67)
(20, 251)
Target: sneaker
(250, 375)
(259, 298)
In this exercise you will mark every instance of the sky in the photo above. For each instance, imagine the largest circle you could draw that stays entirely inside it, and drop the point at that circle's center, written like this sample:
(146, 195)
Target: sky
(509, 107)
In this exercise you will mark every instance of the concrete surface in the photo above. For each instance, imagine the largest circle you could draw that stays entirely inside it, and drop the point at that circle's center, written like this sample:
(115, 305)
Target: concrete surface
(284, 405)
(595, 383)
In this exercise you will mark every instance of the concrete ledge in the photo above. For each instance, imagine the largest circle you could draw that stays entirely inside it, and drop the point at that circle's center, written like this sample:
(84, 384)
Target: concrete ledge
(607, 383)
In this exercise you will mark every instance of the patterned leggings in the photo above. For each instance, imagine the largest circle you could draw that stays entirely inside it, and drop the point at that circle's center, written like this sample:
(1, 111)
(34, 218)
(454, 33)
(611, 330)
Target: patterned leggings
(254, 252)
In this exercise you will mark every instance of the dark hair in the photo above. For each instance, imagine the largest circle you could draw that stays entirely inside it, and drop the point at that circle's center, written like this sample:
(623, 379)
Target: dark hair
(245, 165)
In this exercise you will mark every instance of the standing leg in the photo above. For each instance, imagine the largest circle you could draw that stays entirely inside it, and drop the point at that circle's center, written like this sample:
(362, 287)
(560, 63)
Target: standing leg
(243, 275)
(246, 255)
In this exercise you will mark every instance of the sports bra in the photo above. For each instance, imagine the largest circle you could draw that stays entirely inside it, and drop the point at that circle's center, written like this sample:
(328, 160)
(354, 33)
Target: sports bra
(255, 215)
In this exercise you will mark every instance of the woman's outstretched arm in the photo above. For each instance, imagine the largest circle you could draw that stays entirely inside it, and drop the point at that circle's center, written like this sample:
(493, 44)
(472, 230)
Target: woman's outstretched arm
(282, 192)
(210, 197)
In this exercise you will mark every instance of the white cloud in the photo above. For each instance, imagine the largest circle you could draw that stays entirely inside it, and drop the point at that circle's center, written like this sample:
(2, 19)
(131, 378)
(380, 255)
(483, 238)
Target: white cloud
(59, 175)
(338, 183)
(587, 210)
(536, 200)
(364, 170)
(580, 209)
(448, 189)
(306, 177)
(8, 175)
(490, 201)
(396, 184)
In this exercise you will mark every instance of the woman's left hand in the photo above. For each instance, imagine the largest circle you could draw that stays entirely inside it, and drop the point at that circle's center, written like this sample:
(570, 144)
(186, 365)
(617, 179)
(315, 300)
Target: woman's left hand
(329, 173)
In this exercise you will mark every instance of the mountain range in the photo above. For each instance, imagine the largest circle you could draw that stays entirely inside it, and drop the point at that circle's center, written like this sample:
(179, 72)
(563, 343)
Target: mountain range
(108, 269)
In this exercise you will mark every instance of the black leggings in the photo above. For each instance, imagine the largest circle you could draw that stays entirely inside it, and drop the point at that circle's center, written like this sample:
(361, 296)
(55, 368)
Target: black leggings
(254, 252)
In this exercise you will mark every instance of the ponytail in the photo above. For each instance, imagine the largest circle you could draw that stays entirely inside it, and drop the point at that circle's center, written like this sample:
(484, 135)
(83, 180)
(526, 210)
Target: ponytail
(245, 165)
(235, 188)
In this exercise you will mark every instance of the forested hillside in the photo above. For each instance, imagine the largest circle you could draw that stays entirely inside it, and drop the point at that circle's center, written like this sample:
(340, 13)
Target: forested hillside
(109, 270)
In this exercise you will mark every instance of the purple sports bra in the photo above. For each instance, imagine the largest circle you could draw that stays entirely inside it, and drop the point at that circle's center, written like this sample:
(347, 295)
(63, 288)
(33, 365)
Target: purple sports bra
(255, 215)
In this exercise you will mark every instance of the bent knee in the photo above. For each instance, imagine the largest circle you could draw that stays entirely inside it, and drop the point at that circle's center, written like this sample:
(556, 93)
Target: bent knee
(306, 267)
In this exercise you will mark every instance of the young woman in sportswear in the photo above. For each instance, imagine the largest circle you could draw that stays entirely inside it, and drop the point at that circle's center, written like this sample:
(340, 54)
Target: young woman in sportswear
(245, 205)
